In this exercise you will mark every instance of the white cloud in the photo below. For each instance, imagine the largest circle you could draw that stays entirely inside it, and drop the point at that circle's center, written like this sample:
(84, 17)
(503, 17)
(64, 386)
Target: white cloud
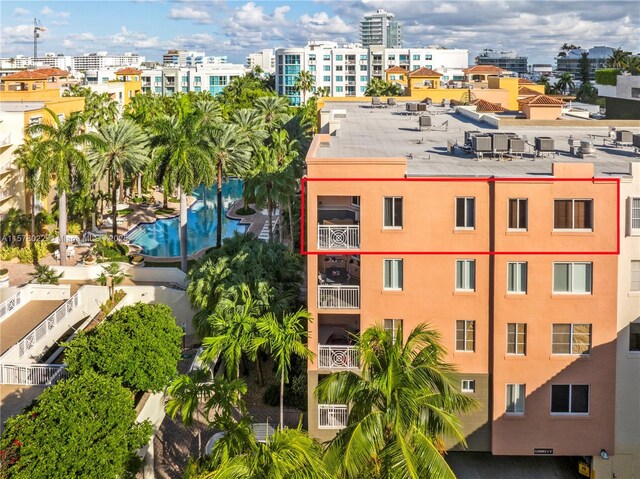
(190, 13)
(126, 38)
(18, 12)
(48, 12)
(18, 34)
(446, 8)
(320, 22)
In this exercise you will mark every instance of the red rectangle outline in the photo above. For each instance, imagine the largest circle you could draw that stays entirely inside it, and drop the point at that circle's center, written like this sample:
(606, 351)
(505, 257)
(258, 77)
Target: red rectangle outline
(451, 179)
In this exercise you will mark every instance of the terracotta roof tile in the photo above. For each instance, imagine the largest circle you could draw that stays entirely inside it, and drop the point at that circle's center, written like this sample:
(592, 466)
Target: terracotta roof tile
(53, 72)
(396, 70)
(129, 71)
(542, 100)
(26, 75)
(523, 90)
(484, 69)
(424, 72)
(524, 81)
(486, 106)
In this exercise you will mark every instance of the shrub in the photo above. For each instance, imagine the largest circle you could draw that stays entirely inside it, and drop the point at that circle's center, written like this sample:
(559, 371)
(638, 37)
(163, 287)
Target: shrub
(3, 271)
(74, 228)
(125, 212)
(245, 211)
(608, 76)
(36, 251)
(139, 344)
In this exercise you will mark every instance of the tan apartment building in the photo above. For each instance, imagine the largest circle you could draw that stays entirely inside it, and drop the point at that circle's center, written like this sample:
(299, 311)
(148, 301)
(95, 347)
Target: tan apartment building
(514, 261)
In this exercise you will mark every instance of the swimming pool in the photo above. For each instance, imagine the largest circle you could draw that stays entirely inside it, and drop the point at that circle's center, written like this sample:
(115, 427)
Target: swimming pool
(161, 238)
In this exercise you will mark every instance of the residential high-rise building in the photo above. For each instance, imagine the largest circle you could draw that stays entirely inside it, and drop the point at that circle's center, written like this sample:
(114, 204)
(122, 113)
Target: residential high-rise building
(168, 80)
(598, 57)
(380, 29)
(264, 59)
(510, 61)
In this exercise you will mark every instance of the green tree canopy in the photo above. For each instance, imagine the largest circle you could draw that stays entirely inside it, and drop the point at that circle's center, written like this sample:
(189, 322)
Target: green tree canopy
(83, 427)
(378, 87)
(139, 344)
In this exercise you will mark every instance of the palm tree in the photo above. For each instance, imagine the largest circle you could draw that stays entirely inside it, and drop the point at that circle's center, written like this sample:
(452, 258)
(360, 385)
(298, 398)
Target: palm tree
(119, 147)
(144, 109)
(45, 275)
(401, 407)
(81, 205)
(231, 153)
(304, 83)
(633, 65)
(77, 90)
(65, 161)
(14, 224)
(272, 109)
(547, 86)
(250, 125)
(379, 87)
(100, 109)
(284, 337)
(565, 82)
(618, 59)
(288, 453)
(111, 276)
(182, 152)
(27, 158)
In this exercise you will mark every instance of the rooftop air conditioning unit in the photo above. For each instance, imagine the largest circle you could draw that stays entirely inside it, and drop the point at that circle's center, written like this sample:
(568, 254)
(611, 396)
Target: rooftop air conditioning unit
(500, 142)
(624, 136)
(481, 143)
(544, 143)
(516, 145)
(425, 121)
(636, 140)
(468, 134)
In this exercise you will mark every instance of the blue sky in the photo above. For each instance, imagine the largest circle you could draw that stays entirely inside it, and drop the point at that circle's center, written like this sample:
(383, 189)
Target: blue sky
(535, 28)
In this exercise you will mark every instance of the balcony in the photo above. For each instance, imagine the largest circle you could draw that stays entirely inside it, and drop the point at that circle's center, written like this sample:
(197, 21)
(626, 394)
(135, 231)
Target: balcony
(377, 62)
(338, 237)
(5, 140)
(338, 296)
(332, 416)
(338, 357)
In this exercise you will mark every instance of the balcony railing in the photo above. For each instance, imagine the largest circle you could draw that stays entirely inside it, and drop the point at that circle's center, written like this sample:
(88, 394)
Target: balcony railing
(5, 141)
(338, 296)
(338, 237)
(32, 374)
(338, 357)
(9, 305)
(332, 416)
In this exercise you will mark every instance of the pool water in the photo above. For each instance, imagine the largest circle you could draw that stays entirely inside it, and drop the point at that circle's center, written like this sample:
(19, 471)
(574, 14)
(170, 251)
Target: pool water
(161, 238)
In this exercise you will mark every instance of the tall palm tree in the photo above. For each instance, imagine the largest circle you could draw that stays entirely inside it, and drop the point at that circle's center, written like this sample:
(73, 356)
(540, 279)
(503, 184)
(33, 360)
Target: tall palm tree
(618, 59)
(28, 157)
(304, 83)
(261, 184)
(14, 224)
(182, 152)
(284, 337)
(119, 147)
(111, 276)
(400, 408)
(100, 109)
(565, 82)
(64, 161)
(251, 125)
(272, 109)
(231, 153)
(547, 86)
(288, 453)
(633, 65)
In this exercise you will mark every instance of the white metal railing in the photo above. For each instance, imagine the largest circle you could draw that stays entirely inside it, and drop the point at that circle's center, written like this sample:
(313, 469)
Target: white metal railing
(50, 322)
(6, 140)
(9, 305)
(32, 374)
(338, 357)
(332, 416)
(338, 296)
(338, 237)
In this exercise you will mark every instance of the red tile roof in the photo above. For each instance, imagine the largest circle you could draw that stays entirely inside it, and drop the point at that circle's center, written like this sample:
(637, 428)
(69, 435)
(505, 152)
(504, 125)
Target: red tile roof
(424, 72)
(129, 71)
(486, 106)
(483, 69)
(39, 74)
(396, 70)
(524, 81)
(542, 100)
(53, 72)
(526, 91)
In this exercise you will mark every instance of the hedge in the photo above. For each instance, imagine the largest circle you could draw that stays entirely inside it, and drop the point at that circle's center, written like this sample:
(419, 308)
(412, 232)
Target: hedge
(607, 76)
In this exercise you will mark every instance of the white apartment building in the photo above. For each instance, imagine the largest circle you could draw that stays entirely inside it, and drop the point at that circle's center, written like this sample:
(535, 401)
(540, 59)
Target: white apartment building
(264, 59)
(346, 70)
(99, 60)
(380, 28)
(169, 80)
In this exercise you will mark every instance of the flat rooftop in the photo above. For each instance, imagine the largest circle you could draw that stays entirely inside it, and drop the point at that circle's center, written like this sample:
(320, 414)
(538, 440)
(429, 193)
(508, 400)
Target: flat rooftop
(390, 133)
(18, 106)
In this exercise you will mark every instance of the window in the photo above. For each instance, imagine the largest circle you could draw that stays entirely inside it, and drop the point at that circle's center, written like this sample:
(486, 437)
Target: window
(326, 68)
(326, 58)
(633, 216)
(465, 335)
(393, 212)
(312, 57)
(516, 338)
(468, 386)
(363, 89)
(339, 78)
(569, 399)
(326, 78)
(427, 57)
(518, 214)
(391, 57)
(312, 68)
(634, 337)
(355, 200)
(339, 58)
(571, 339)
(158, 79)
(197, 79)
(573, 214)
(339, 68)
(184, 89)
(465, 275)
(416, 57)
(392, 274)
(572, 278)
(465, 213)
(339, 89)
(635, 92)
(185, 79)
(364, 57)
(35, 120)
(363, 78)
(515, 398)
(363, 68)
(393, 326)
(635, 276)
(517, 278)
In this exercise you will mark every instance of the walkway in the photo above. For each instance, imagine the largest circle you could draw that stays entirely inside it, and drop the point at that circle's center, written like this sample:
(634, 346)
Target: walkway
(13, 399)
(20, 323)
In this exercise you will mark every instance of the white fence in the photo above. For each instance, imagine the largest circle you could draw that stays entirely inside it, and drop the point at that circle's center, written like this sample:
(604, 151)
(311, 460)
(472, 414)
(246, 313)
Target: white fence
(332, 416)
(11, 305)
(32, 374)
(338, 237)
(137, 273)
(338, 357)
(338, 296)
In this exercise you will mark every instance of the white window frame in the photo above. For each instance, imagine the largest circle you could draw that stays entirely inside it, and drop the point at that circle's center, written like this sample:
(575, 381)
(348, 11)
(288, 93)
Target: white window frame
(518, 279)
(570, 413)
(467, 323)
(394, 328)
(520, 328)
(634, 276)
(521, 392)
(466, 272)
(356, 202)
(468, 386)
(395, 279)
(393, 212)
(571, 278)
(35, 120)
(466, 213)
(526, 220)
(572, 343)
(573, 206)
(633, 216)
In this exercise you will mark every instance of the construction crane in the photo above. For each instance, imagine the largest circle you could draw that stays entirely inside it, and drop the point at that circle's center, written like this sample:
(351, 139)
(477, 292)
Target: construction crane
(37, 27)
